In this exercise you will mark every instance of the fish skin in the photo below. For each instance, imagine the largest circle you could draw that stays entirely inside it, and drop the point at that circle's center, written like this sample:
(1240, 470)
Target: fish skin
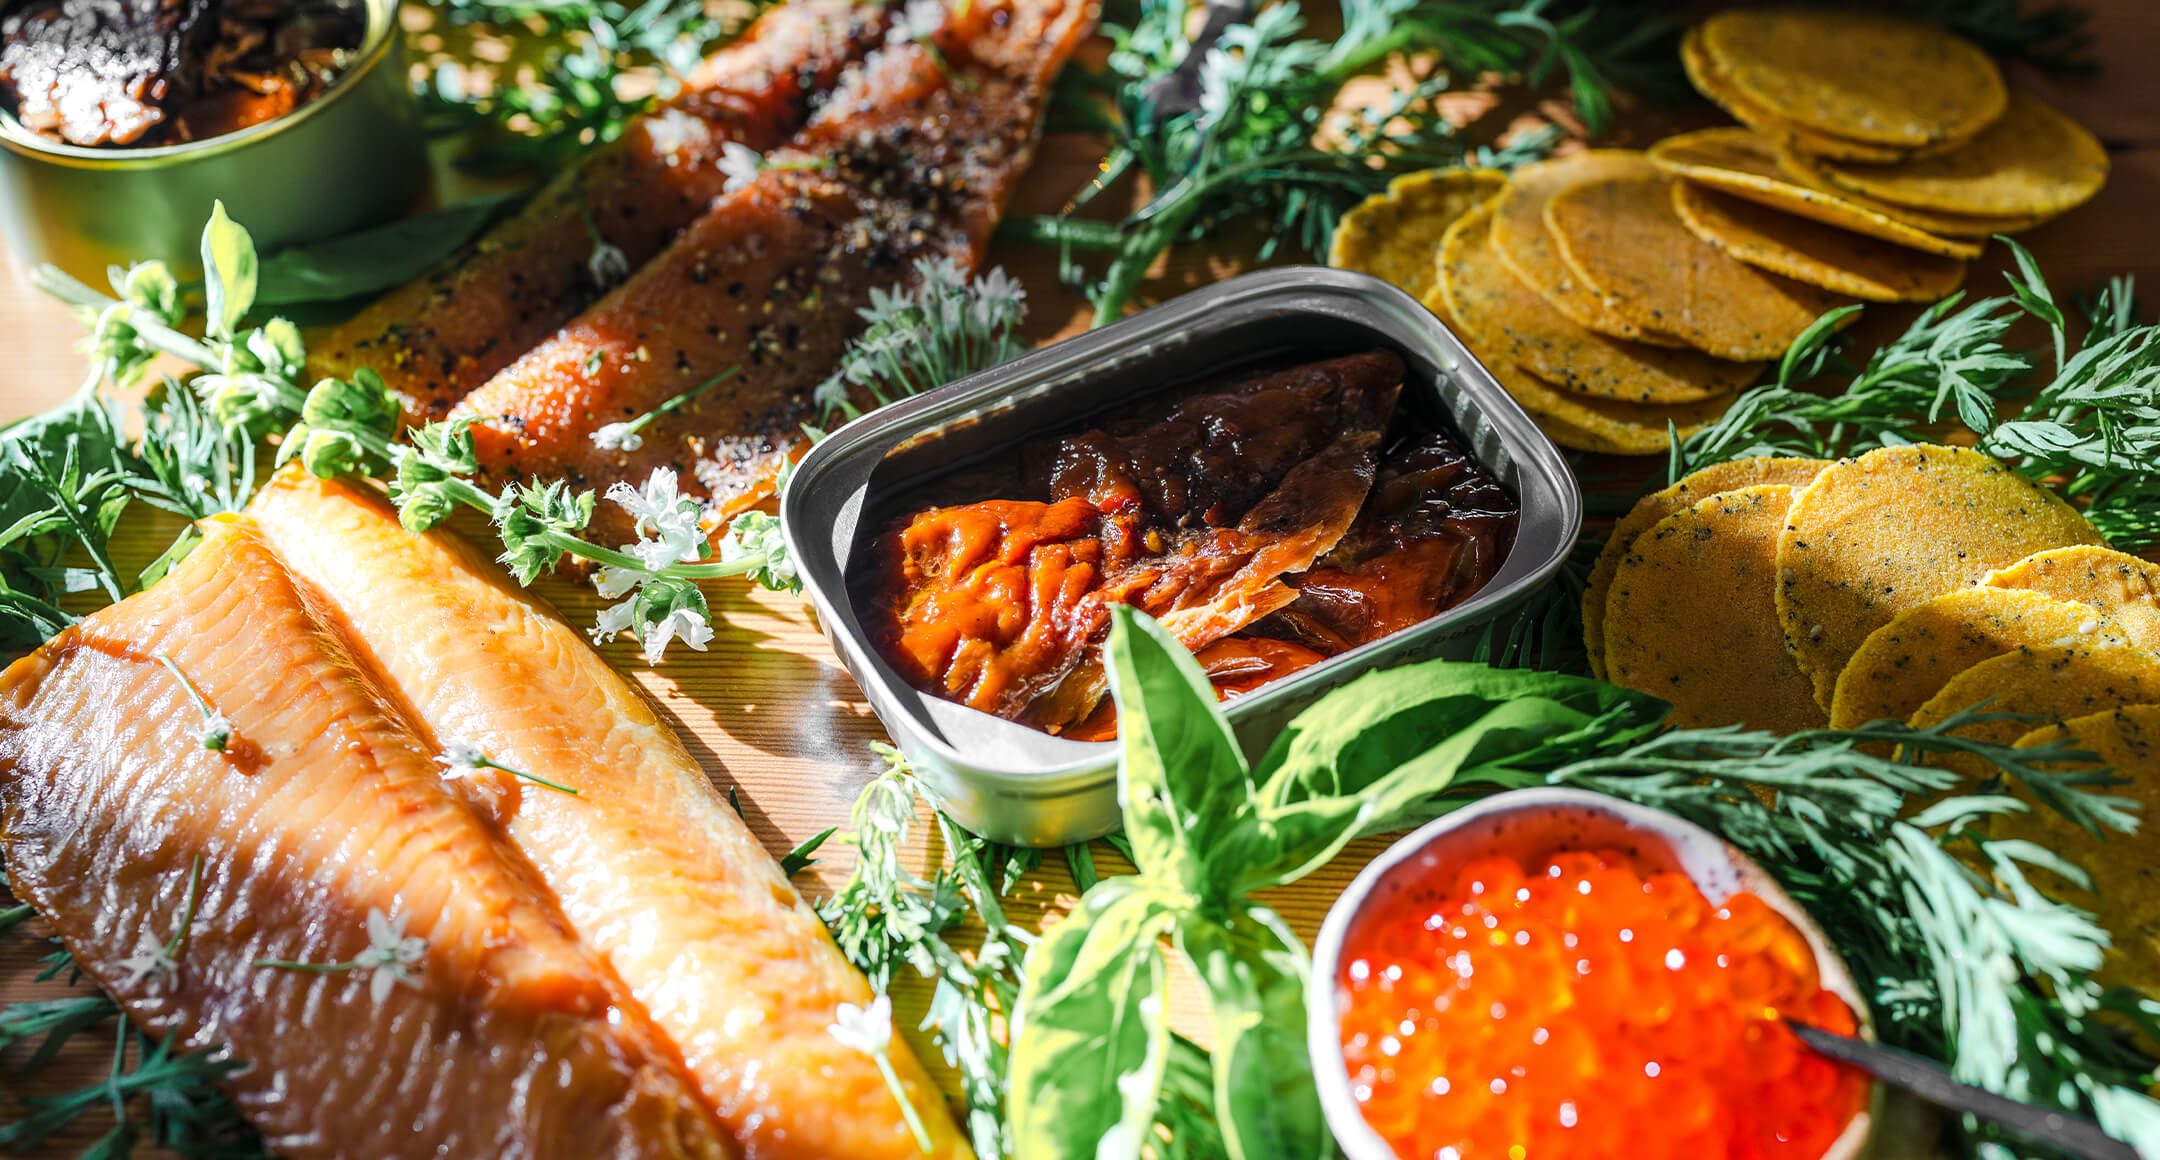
(436, 338)
(916, 152)
(655, 870)
(515, 1041)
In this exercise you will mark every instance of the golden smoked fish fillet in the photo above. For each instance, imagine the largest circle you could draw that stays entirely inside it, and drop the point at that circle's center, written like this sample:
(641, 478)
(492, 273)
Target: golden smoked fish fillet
(656, 872)
(511, 1040)
(443, 334)
(909, 160)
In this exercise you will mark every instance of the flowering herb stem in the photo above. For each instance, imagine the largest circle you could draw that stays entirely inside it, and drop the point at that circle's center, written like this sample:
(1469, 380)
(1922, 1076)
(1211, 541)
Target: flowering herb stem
(883, 1056)
(217, 729)
(625, 436)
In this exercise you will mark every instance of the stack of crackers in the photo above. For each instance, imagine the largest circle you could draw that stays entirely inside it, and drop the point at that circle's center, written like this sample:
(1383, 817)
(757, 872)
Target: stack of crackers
(1620, 296)
(1908, 584)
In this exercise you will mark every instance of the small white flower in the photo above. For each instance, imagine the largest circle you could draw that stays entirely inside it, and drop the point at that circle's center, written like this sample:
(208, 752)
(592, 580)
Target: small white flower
(740, 164)
(612, 582)
(613, 621)
(684, 623)
(919, 19)
(998, 296)
(390, 955)
(149, 961)
(607, 265)
(460, 759)
(653, 503)
(865, 1029)
(217, 730)
(671, 130)
(617, 437)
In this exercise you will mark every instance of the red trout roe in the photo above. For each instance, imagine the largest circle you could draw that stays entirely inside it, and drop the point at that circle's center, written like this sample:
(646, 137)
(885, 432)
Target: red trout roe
(1587, 1009)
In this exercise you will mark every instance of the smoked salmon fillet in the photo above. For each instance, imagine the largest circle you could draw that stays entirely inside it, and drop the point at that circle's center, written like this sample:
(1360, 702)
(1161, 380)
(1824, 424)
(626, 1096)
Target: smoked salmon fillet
(655, 870)
(507, 1039)
(910, 160)
(438, 337)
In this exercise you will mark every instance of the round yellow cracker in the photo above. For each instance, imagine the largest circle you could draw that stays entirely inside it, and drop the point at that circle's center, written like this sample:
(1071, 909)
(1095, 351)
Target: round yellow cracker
(1524, 243)
(1741, 163)
(1624, 238)
(2125, 868)
(1614, 428)
(1809, 171)
(1809, 251)
(2033, 161)
(1507, 318)
(1907, 661)
(1859, 75)
(2123, 587)
(1692, 616)
(1560, 431)
(1731, 475)
(1393, 235)
(1874, 536)
(2056, 684)
(1712, 83)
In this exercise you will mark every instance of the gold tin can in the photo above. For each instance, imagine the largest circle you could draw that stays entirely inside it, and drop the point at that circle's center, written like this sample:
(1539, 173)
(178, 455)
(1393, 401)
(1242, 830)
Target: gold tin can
(352, 157)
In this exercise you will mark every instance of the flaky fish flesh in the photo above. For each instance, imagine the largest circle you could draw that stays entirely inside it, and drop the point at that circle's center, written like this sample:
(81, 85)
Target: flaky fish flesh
(396, 975)
(656, 871)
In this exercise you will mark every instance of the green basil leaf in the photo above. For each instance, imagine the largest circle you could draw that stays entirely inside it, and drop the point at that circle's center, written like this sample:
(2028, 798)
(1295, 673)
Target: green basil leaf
(1091, 1038)
(1184, 786)
(370, 261)
(229, 270)
(1347, 739)
(1359, 759)
(1255, 971)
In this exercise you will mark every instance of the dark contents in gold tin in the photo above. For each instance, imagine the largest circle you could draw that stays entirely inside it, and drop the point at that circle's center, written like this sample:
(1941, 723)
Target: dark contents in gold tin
(1269, 523)
(143, 73)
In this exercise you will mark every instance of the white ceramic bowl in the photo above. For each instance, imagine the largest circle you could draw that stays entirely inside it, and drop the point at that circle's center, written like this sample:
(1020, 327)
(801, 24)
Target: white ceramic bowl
(1527, 825)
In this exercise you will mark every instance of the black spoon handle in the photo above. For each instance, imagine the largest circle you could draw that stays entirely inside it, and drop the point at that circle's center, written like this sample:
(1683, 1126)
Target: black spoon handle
(1927, 1079)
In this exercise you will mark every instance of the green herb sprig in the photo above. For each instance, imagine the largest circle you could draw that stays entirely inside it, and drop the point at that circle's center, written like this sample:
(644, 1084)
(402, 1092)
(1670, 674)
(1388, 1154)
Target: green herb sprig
(1262, 148)
(885, 917)
(577, 97)
(2085, 416)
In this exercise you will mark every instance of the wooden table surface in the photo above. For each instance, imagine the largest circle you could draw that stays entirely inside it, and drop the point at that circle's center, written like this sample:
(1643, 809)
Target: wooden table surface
(770, 712)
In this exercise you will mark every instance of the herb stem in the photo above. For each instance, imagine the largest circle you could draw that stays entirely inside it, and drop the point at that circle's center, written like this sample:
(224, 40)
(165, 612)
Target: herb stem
(91, 538)
(1079, 233)
(907, 1106)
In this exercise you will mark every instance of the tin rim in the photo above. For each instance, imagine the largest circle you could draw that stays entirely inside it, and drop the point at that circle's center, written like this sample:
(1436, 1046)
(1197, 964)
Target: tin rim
(1522, 571)
(382, 31)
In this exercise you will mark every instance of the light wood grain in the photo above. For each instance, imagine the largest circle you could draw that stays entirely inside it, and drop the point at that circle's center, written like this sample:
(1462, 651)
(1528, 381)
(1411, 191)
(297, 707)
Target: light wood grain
(771, 714)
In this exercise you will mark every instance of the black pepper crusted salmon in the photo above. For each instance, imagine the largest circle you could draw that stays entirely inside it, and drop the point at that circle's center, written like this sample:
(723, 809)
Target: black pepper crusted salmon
(910, 160)
(395, 974)
(440, 336)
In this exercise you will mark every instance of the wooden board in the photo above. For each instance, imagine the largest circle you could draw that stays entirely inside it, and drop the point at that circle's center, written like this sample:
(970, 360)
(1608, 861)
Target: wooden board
(770, 712)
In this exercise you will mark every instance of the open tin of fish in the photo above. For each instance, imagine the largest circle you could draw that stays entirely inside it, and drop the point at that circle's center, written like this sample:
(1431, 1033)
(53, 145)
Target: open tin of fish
(354, 156)
(1013, 783)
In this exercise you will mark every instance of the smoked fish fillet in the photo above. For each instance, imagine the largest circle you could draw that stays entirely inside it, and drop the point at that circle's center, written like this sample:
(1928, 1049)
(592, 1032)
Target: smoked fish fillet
(436, 338)
(656, 872)
(910, 159)
(512, 1040)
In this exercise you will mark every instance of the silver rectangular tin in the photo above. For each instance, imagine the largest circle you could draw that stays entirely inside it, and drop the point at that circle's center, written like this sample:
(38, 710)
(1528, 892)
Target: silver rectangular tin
(1014, 784)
